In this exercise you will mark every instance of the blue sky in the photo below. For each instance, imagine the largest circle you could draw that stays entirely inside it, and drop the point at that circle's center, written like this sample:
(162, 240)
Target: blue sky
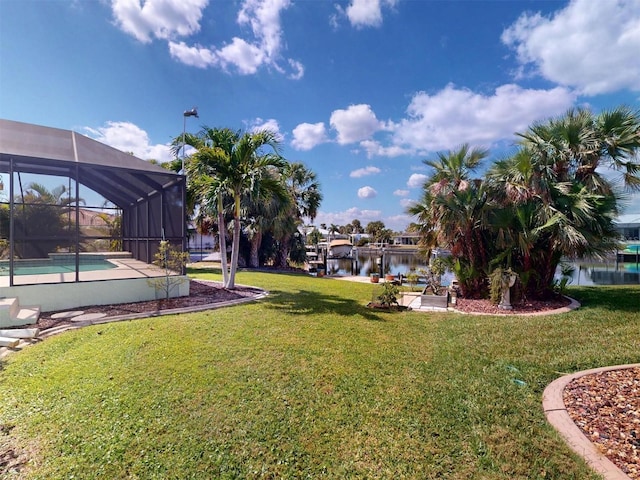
(361, 91)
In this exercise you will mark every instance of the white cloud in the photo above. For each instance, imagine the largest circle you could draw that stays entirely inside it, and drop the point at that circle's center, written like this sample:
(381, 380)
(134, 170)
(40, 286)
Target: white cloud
(375, 149)
(358, 122)
(416, 180)
(364, 13)
(407, 202)
(401, 193)
(367, 192)
(261, 124)
(172, 19)
(453, 116)
(195, 56)
(246, 57)
(264, 18)
(362, 172)
(127, 137)
(398, 223)
(347, 216)
(163, 19)
(589, 45)
(297, 70)
(308, 135)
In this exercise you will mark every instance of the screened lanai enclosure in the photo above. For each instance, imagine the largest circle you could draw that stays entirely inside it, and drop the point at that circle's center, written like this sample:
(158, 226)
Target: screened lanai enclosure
(73, 209)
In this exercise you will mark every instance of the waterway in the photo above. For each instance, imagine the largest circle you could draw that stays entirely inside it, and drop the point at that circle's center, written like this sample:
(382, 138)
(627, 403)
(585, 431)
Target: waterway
(586, 273)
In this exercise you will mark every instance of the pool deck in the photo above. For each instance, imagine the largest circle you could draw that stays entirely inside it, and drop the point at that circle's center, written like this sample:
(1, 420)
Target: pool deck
(126, 268)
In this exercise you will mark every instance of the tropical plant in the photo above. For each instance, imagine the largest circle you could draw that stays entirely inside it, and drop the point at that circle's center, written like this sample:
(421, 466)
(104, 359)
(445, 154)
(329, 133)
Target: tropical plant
(113, 226)
(378, 233)
(412, 279)
(232, 164)
(173, 261)
(305, 197)
(552, 199)
(388, 296)
(433, 275)
(452, 214)
(266, 211)
(554, 189)
(43, 220)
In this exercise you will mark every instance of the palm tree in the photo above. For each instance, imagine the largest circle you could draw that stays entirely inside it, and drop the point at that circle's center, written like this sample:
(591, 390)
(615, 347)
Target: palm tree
(556, 192)
(451, 214)
(303, 188)
(263, 212)
(45, 219)
(234, 164)
(207, 170)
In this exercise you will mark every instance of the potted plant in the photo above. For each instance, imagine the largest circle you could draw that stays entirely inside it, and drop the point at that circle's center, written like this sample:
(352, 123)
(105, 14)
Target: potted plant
(434, 294)
(375, 277)
(385, 297)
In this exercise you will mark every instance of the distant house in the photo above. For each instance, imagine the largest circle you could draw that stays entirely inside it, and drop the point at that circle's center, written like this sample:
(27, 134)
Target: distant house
(628, 226)
(93, 218)
(406, 238)
(199, 241)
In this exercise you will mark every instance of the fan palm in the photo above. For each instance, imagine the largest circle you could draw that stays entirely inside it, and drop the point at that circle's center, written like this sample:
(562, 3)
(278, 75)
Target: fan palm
(557, 190)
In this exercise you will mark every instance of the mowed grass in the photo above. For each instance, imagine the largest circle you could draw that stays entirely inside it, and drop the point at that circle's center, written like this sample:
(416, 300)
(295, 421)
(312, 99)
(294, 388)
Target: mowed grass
(309, 383)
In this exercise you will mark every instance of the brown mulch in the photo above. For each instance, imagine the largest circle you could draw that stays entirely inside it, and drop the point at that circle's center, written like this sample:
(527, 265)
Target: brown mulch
(200, 293)
(606, 407)
(530, 306)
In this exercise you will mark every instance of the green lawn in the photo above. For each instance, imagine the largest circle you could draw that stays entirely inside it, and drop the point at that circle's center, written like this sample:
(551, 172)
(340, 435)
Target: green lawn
(308, 383)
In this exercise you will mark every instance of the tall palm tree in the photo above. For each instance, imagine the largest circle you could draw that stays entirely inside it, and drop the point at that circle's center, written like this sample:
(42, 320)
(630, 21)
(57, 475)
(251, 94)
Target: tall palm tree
(305, 196)
(207, 170)
(234, 164)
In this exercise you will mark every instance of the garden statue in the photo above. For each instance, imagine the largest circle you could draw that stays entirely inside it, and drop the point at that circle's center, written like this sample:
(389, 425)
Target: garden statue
(508, 279)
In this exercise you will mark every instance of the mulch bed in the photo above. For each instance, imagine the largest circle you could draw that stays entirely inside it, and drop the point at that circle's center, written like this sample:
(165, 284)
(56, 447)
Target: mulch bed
(530, 306)
(200, 293)
(606, 407)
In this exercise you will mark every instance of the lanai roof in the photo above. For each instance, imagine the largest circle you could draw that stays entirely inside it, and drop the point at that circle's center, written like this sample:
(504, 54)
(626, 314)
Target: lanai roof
(119, 177)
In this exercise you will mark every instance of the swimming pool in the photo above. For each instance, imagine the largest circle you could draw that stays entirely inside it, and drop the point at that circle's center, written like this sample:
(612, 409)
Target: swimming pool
(45, 266)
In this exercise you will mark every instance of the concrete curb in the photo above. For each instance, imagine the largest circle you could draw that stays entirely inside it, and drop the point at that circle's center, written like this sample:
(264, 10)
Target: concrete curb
(572, 306)
(557, 415)
(134, 316)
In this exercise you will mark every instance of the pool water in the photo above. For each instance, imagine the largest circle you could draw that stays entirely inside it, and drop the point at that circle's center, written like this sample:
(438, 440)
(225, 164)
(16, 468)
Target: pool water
(45, 266)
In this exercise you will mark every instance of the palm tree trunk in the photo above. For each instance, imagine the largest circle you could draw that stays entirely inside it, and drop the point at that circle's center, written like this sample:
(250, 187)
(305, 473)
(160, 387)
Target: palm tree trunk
(222, 235)
(283, 252)
(235, 249)
(254, 257)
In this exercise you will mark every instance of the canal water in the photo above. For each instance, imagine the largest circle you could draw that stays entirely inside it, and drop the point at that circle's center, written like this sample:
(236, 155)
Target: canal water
(586, 273)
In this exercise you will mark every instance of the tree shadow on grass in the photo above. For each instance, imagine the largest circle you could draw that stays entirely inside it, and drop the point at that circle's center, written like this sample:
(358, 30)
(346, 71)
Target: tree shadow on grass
(307, 302)
(613, 298)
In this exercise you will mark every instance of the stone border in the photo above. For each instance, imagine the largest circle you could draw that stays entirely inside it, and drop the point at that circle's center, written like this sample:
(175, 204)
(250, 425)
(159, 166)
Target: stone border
(508, 313)
(557, 415)
(4, 351)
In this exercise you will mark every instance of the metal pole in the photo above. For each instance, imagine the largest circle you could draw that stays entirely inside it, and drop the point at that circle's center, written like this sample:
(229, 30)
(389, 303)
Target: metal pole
(184, 133)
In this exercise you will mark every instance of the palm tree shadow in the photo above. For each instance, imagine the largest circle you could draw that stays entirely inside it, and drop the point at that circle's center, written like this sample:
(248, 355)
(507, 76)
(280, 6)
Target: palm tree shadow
(619, 298)
(307, 302)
